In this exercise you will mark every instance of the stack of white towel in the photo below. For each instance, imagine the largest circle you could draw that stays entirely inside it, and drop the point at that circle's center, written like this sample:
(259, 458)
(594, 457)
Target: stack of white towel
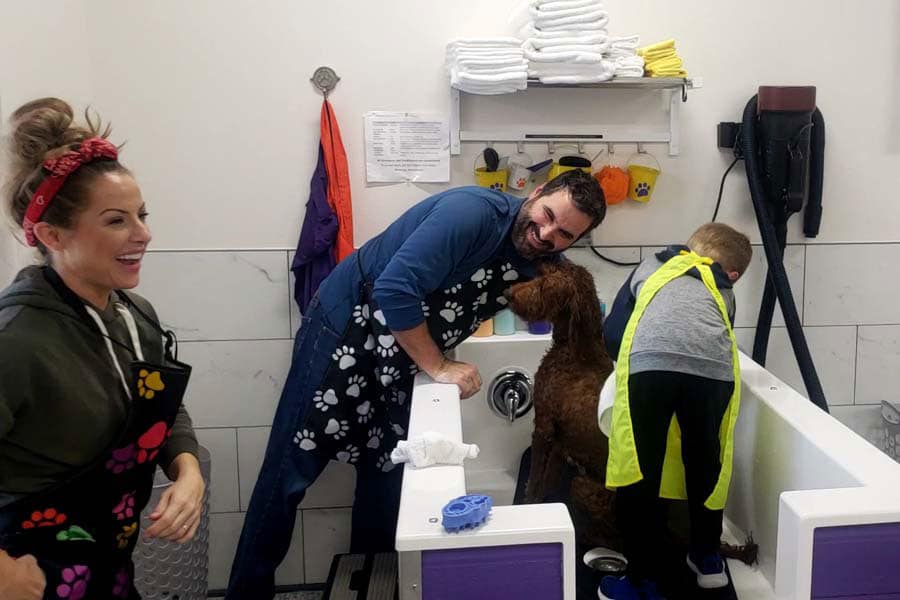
(565, 41)
(623, 53)
(487, 65)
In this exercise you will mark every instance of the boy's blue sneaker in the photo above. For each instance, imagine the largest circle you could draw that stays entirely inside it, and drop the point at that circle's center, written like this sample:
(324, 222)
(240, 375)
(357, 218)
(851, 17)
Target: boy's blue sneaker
(710, 570)
(621, 588)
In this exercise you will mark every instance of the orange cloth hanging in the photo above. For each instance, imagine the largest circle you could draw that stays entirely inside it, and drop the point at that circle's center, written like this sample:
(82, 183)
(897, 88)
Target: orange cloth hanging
(614, 182)
(338, 181)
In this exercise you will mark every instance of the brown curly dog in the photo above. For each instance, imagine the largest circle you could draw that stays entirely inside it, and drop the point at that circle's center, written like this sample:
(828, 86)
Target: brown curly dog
(566, 392)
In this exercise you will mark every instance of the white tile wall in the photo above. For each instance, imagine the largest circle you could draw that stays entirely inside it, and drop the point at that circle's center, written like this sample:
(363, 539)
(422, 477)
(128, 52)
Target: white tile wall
(235, 383)
(222, 446)
(833, 351)
(235, 312)
(607, 276)
(879, 364)
(219, 295)
(224, 533)
(327, 534)
(852, 284)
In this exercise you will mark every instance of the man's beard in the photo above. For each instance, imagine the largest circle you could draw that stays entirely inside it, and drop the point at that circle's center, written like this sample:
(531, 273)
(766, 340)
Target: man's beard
(520, 230)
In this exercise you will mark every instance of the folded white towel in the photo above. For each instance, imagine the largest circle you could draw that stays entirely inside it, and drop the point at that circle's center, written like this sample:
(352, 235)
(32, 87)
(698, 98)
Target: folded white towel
(597, 25)
(563, 4)
(541, 42)
(597, 19)
(629, 71)
(492, 68)
(432, 448)
(627, 61)
(570, 79)
(489, 78)
(544, 12)
(493, 42)
(494, 54)
(630, 42)
(539, 70)
(573, 56)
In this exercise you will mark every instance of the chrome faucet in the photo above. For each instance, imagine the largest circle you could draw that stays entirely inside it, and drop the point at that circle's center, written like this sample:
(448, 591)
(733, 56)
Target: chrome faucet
(510, 394)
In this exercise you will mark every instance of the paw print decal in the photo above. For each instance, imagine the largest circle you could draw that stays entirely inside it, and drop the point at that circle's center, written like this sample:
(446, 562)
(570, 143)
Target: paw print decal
(384, 462)
(375, 437)
(369, 345)
(324, 400)
(350, 454)
(387, 375)
(508, 272)
(397, 396)
(149, 382)
(125, 535)
(305, 439)
(386, 346)
(122, 459)
(150, 442)
(480, 301)
(337, 429)
(398, 430)
(451, 337)
(481, 277)
(49, 517)
(502, 301)
(496, 186)
(641, 190)
(355, 385)
(451, 311)
(379, 316)
(74, 534)
(361, 314)
(453, 289)
(122, 584)
(74, 582)
(426, 310)
(365, 411)
(344, 357)
(125, 508)
(413, 369)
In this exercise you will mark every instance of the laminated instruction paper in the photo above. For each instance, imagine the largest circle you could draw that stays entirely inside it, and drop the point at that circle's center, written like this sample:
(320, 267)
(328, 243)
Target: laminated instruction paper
(405, 146)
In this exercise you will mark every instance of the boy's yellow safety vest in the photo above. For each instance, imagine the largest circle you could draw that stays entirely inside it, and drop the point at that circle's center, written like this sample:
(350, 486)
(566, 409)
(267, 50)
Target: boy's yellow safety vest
(623, 468)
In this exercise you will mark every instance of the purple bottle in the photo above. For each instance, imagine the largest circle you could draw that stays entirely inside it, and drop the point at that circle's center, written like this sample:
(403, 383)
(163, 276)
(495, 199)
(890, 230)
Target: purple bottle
(539, 327)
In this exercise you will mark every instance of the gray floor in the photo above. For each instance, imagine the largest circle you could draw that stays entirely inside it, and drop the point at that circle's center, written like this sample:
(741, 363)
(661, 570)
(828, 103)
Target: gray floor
(299, 596)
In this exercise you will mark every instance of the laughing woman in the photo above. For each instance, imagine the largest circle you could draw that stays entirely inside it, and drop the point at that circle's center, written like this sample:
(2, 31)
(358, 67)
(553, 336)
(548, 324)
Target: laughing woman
(90, 390)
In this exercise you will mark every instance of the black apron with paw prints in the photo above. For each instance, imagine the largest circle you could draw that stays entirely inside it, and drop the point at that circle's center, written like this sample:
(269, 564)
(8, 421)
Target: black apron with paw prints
(362, 404)
(82, 531)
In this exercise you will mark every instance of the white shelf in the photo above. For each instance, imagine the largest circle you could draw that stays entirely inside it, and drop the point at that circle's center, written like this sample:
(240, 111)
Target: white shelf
(597, 133)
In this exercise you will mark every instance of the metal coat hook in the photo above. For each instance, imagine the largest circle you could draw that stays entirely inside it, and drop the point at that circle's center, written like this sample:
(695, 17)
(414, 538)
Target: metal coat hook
(551, 147)
(325, 79)
(640, 148)
(610, 149)
(580, 147)
(520, 147)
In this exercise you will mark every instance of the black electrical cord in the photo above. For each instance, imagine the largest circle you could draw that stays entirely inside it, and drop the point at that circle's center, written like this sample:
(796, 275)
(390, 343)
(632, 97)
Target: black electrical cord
(722, 186)
(613, 261)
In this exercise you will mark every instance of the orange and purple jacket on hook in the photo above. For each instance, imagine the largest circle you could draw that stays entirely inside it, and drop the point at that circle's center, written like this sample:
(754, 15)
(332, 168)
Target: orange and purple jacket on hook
(338, 181)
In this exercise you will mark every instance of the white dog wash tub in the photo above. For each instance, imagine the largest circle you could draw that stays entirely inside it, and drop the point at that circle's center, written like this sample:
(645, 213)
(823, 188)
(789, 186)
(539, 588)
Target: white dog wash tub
(822, 503)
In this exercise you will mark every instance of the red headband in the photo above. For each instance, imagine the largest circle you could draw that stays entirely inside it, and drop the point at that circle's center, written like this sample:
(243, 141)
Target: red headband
(60, 168)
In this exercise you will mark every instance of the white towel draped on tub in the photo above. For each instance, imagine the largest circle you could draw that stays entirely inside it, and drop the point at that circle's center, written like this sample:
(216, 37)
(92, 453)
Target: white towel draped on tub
(432, 448)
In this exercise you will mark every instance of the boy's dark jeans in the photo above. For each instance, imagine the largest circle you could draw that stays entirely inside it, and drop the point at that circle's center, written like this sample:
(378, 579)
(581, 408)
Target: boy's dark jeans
(699, 404)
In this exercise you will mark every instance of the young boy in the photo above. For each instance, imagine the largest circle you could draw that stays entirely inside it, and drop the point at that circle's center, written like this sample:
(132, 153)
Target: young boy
(677, 395)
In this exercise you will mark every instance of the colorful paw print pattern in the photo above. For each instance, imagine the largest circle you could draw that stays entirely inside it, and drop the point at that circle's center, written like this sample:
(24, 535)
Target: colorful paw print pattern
(75, 581)
(151, 441)
(122, 459)
(123, 537)
(125, 508)
(149, 382)
(122, 585)
(74, 534)
(49, 517)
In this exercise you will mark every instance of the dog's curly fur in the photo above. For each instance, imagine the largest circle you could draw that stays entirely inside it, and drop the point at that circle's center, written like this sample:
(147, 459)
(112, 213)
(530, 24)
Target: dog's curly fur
(566, 392)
